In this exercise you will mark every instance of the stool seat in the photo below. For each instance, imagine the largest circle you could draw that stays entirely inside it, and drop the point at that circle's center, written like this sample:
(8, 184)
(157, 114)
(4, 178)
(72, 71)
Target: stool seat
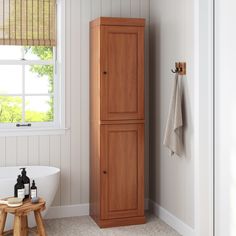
(21, 220)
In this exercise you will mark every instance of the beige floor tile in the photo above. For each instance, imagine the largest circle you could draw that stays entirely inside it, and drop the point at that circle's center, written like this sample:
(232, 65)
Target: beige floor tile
(85, 226)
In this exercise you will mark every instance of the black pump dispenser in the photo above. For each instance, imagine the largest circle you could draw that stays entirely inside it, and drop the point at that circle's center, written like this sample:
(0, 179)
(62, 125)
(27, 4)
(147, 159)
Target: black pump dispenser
(26, 182)
(19, 188)
(33, 191)
(23, 170)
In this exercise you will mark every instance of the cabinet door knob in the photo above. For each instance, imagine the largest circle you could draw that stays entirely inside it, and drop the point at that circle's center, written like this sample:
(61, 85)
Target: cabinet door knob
(104, 172)
(104, 72)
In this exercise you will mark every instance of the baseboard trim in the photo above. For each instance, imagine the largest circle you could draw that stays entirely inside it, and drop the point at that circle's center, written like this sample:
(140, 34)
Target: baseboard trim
(74, 210)
(56, 212)
(170, 219)
(83, 210)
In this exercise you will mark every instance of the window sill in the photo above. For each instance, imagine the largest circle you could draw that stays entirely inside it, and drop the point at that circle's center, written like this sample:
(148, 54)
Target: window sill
(33, 132)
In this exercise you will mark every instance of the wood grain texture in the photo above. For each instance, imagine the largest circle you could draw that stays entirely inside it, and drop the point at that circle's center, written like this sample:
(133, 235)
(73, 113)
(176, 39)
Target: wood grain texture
(113, 122)
(122, 71)
(122, 159)
(24, 209)
(17, 226)
(3, 217)
(116, 102)
(122, 222)
(24, 226)
(20, 213)
(39, 222)
(112, 21)
(94, 123)
(122, 62)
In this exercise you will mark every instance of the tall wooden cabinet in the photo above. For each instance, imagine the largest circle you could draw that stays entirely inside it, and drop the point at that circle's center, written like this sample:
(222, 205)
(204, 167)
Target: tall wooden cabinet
(117, 121)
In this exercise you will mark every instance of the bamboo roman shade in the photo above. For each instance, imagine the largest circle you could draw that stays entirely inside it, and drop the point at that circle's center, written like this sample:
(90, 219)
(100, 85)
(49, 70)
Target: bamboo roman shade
(28, 22)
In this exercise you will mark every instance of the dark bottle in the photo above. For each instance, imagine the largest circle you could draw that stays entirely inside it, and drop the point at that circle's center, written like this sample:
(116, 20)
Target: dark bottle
(33, 190)
(19, 188)
(26, 182)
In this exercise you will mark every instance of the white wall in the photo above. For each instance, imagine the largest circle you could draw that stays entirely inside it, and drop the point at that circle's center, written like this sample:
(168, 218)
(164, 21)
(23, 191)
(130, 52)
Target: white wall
(171, 40)
(225, 119)
(204, 118)
(70, 152)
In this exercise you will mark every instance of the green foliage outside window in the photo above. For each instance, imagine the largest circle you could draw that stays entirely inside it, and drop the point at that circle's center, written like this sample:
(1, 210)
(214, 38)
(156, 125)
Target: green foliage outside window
(11, 107)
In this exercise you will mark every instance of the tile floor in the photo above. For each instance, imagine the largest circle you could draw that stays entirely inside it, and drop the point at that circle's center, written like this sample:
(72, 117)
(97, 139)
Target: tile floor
(85, 226)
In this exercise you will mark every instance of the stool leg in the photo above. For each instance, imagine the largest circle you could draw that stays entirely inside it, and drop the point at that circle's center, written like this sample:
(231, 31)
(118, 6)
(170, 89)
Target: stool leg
(3, 217)
(17, 226)
(24, 226)
(39, 222)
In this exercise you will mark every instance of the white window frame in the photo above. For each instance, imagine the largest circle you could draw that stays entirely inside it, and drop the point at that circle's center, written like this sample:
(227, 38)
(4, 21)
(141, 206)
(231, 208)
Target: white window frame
(58, 125)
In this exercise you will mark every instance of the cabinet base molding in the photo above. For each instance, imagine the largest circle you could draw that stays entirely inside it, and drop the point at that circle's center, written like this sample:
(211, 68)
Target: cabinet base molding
(120, 222)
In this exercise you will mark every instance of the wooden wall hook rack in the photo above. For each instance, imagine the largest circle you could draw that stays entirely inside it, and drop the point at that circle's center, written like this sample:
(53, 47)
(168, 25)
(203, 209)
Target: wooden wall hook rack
(180, 68)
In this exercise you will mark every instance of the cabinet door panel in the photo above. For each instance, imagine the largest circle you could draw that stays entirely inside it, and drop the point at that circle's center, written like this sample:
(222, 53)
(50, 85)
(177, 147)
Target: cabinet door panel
(122, 161)
(122, 68)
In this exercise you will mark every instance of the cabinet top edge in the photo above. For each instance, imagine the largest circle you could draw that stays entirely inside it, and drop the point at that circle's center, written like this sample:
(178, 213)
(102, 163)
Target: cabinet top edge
(118, 21)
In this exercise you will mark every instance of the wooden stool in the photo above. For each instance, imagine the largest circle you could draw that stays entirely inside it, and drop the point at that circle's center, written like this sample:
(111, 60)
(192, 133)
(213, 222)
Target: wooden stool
(21, 220)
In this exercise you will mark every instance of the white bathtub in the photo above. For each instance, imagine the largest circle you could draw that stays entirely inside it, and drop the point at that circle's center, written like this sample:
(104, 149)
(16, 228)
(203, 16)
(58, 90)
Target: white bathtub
(46, 179)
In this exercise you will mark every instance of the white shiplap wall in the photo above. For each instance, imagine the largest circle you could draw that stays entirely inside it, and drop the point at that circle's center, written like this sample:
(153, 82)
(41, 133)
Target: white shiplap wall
(70, 152)
(171, 40)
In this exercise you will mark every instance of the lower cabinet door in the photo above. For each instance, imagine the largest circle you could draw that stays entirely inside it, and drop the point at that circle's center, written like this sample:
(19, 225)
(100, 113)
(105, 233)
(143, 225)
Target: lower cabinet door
(122, 171)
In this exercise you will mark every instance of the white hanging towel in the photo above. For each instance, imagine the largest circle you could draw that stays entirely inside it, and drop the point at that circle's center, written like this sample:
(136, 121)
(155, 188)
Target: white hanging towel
(173, 133)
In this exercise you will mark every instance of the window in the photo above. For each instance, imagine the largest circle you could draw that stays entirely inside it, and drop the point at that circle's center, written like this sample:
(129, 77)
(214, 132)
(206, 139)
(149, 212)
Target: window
(27, 84)
(30, 65)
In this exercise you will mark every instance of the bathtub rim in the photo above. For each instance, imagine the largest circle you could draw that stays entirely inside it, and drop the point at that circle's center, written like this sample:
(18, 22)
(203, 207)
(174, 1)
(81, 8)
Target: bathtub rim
(56, 171)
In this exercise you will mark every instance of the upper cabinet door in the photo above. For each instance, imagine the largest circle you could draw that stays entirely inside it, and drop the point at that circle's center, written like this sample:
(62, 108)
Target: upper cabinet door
(122, 73)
